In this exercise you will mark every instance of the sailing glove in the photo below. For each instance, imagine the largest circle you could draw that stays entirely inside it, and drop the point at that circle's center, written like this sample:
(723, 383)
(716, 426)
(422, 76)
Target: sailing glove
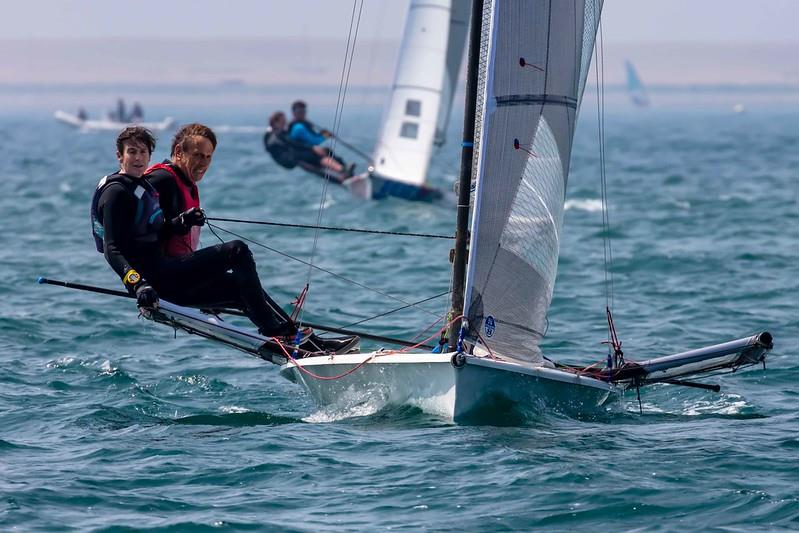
(191, 217)
(146, 295)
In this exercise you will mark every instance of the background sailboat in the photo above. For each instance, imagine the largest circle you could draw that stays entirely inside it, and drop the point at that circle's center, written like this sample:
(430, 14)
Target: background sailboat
(418, 109)
(635, 88)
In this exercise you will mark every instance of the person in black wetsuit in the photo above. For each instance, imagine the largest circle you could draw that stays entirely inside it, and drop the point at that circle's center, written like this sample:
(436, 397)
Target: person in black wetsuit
(127, 222)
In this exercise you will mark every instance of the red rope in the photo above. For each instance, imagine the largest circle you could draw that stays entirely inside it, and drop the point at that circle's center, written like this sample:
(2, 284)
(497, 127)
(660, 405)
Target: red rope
(359, 365)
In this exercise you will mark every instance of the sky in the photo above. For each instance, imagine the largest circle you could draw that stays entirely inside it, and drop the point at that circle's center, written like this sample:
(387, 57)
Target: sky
(624, 20)
(285, 42)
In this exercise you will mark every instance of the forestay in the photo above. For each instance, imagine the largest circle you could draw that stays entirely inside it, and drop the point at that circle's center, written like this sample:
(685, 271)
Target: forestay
(410, 121)
(534, 61)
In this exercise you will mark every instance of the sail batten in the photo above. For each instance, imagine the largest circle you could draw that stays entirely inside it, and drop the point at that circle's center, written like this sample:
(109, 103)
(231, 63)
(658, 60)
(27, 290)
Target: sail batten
(533, 78)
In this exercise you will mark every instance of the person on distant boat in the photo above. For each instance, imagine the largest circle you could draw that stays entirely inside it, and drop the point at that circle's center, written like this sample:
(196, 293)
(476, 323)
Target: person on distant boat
(303, 132)
(289, 153)
(127, 224)
(119, 114)
(176, 181)
(136, 113)
(82, 114)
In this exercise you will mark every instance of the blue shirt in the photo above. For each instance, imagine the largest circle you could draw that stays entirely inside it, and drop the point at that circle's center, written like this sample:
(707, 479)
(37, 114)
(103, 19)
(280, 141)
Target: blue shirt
(300, 133)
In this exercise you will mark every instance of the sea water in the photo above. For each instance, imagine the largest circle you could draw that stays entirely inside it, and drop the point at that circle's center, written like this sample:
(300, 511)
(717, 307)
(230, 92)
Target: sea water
(109, 422)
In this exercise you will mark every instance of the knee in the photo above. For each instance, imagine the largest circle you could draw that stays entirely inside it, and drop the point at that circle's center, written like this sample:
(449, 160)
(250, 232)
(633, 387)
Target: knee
(239, 253)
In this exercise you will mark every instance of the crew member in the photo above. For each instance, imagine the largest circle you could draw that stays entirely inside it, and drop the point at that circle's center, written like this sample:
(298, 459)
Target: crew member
(289, 153)
(127, 220)
(303, 132)
(176, 181)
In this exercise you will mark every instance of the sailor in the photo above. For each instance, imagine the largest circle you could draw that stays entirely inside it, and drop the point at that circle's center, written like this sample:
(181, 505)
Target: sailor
(136, 113)
(303, 132)
(288, 153)
(176, 181)
(127, 221)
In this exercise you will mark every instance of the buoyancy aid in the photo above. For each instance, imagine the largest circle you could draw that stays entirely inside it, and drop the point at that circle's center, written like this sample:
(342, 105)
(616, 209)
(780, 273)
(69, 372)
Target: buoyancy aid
(280, 148)
(180, 245)
(149, 217)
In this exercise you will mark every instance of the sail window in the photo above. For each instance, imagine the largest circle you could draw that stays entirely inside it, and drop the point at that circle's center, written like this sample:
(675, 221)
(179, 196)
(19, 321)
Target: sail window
(413, 108)
(409, 130)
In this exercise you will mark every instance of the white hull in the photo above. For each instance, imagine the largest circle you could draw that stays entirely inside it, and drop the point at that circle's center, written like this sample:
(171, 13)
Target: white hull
(110, 125)
(492, 391)
(387, 379)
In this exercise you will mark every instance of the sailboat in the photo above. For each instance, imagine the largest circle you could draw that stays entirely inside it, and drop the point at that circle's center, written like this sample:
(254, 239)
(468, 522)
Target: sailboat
(528, 63)
(635, 88)
(418, 110)
(107, 124)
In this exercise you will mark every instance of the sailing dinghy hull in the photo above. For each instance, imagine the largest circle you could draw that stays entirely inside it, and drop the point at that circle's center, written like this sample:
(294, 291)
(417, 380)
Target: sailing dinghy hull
(492, 391)
(372, 186)
(375, 378)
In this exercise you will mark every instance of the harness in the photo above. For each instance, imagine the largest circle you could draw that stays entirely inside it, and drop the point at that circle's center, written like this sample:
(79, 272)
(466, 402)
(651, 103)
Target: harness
(180, 245)
(149, 218)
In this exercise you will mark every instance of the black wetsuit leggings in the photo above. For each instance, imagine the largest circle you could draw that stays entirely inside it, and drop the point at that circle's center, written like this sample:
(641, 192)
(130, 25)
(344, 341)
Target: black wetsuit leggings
(222, 276)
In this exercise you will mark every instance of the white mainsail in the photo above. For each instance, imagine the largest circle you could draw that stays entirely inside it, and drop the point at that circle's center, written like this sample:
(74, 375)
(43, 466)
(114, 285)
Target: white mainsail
(535, 59)
(427, 70)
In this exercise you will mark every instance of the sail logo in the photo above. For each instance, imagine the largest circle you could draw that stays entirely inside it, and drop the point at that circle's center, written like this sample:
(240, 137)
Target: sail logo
(490, 326)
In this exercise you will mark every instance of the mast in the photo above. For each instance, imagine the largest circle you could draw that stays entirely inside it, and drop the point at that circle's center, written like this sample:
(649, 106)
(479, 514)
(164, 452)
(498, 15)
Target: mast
(465, 179)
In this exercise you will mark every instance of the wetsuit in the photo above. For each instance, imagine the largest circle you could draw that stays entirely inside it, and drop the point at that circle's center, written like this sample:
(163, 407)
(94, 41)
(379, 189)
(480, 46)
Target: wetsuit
(177, 240)
(282, 149)
(218, 276)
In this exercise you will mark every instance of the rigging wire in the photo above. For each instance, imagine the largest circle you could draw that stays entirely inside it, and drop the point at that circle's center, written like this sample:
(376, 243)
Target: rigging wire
(312, 266)
(342, 94)
(331, 228)
(397, 309)
(599, 70)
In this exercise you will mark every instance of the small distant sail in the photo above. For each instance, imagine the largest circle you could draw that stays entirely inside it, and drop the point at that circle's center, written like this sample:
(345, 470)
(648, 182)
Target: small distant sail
(635, 88)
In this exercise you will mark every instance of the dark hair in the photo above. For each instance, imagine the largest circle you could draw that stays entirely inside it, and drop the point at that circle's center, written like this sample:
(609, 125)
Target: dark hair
(274, 116)
(136, 134)
(296, 104)
(191, 130)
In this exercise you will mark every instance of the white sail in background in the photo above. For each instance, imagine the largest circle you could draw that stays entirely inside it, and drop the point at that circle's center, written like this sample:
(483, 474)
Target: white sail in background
(535, 59)
(456, 44)
(409, 124)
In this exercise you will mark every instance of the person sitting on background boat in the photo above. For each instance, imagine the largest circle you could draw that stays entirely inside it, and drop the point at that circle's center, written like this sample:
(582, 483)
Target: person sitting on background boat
(136, 113)
(176, 181)
(288, 153)
(303, 132)
(127, 222)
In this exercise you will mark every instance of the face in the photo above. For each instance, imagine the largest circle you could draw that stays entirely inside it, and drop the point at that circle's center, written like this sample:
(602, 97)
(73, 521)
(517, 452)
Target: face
(280, 122)
(196, 159)
(299, 113)
(134, 159)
